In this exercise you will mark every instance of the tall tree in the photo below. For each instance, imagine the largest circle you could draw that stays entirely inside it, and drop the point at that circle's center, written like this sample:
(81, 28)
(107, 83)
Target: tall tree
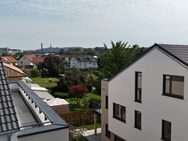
(53, 65)
(120, 55)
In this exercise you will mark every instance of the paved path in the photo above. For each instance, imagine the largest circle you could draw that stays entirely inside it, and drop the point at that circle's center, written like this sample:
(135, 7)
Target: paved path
(90, 135)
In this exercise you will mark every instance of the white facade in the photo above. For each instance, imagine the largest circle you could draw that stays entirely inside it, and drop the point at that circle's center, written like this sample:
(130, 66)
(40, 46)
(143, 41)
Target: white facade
(155, 107)
(25, 62)
(74, 63)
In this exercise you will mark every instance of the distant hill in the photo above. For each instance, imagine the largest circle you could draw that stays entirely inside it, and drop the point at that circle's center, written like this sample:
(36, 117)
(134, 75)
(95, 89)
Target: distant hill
(56, 50)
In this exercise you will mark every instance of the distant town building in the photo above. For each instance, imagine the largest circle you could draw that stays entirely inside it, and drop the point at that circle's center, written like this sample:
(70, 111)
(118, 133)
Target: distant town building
(30, 61)
(83, 62)
(8, 51)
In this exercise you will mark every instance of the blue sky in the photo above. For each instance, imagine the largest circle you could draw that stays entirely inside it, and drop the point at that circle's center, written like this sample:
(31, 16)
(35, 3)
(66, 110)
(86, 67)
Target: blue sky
(26, 23)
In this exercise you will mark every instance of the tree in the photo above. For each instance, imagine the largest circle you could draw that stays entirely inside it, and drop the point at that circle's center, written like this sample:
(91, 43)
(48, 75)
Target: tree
(78, 92)
(35, 73)
(75, 77)
(113, 60)
(52, 65)
(116, 58)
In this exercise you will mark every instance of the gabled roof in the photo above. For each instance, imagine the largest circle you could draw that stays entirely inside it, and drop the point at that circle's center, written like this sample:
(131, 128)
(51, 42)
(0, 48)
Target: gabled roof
(8, 118)
(178, 52)
(36, 59)
(15, 71)
(8, 59)
(85, 58)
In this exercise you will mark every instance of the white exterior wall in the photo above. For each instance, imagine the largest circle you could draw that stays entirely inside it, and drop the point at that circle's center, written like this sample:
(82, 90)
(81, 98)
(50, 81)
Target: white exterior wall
(57, 135)
(154, 106)
(26, 62)
(73, 63)
(82, 65)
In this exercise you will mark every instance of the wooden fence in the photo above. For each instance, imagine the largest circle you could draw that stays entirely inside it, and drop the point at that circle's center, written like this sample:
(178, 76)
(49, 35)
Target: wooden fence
(78, 118)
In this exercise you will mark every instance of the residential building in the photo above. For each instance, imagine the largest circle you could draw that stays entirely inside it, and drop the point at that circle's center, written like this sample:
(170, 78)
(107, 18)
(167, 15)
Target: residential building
(148, 100)
(30, 61)
(83, 62)
(13, 72)
(9, 60)
(25, 117)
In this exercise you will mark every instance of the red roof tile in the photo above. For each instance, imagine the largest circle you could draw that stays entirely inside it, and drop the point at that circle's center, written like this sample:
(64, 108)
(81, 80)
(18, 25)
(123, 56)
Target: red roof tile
(35, 58)
(8, 59)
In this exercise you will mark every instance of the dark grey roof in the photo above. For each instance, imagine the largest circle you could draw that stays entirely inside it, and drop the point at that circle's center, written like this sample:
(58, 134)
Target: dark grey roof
(180, 52)
(8, 118)
(57, 122)
(85, 58)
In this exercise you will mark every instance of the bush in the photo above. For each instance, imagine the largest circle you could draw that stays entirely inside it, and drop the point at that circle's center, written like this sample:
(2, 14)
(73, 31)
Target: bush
(35, 73)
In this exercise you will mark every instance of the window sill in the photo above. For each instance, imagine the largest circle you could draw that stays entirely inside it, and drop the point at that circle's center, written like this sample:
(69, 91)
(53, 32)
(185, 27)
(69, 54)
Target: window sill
(163, 139)
(137, 128)
(173, 95)
(138, 101)
(122, 120)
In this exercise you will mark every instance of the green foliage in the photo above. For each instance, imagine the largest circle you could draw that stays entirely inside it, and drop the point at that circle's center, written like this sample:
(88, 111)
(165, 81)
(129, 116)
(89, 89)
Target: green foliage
(35, 73)
(52, 66)
(116, 58)
(83, 101)
(74, 77)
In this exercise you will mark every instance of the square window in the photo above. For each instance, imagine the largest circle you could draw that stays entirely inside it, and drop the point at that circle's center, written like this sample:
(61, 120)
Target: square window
(119, 112)
(173, 86)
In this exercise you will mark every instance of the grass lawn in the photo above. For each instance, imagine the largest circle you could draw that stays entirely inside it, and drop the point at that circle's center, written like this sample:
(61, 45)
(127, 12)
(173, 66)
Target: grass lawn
(47, 82)
(74, 107)
(91, 126)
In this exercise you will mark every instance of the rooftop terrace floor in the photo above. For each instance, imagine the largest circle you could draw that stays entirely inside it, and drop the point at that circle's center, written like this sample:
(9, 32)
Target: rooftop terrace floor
(25, 116)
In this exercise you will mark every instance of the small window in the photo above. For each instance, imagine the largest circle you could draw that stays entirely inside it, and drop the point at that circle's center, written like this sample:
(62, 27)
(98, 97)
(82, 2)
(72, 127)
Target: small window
(119, 112)
(138, 120)
(116, 138)
(138, 87)
(106, 102)
(40, 111)
(166, 130)
(173, 86)
(45, 118)
(107, 132)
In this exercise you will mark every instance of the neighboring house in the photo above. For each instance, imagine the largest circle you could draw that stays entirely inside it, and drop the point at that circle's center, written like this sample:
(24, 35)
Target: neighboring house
(9, 60)
(25, 117)
(30, 61)
(12, 72)
(83, 62)
(148, 100)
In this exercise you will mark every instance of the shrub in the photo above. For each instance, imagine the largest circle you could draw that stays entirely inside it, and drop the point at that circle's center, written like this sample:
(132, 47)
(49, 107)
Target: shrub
(35, 73)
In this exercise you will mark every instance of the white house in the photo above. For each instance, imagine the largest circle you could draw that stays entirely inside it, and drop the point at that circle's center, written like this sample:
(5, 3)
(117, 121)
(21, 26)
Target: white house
(83, 62)
(30, 61)
(148, 100)
(24, 116)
